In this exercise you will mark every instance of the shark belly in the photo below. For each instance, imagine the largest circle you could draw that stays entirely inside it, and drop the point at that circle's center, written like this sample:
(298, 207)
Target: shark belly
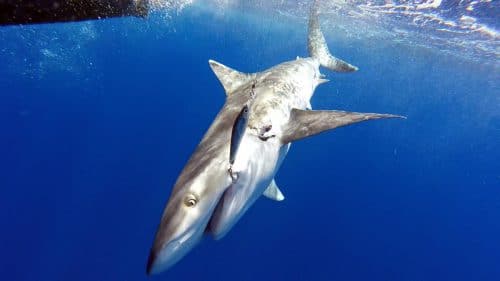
(256, 164)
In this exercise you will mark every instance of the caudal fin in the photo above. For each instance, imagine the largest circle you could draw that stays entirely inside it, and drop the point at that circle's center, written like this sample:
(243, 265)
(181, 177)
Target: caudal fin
(318, 49)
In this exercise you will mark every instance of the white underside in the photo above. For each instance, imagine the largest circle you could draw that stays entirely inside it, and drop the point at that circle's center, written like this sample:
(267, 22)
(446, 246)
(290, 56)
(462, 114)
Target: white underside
(255, 165)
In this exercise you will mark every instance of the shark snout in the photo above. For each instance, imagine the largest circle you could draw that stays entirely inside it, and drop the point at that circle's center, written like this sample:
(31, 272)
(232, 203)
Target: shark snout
(165, 254)
(182, 226)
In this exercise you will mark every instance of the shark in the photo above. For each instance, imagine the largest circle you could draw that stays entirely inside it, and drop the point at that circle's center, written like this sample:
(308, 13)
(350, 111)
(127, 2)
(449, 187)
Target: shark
(237, 159)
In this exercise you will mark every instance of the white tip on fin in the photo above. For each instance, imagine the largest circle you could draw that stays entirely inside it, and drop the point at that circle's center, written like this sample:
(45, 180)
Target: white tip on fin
(273, 192)
(322, 81)
(229, 78)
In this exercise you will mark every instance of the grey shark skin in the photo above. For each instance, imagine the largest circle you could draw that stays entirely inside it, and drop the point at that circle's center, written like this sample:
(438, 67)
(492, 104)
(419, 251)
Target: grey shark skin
(203, 181)
(210, 194)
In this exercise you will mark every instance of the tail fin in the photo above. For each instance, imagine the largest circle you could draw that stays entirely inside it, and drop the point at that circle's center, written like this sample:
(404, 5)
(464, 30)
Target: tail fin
(318, 49)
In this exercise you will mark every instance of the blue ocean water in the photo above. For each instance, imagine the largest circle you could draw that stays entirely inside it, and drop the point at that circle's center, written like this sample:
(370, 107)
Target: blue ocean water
(97, 119)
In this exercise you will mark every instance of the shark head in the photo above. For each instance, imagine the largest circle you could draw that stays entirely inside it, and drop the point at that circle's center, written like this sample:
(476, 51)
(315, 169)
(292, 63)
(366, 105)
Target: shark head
(182, 226)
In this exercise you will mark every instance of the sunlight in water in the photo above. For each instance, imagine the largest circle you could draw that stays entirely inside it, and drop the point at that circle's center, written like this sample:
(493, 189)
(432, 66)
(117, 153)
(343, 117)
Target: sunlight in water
(468, 29)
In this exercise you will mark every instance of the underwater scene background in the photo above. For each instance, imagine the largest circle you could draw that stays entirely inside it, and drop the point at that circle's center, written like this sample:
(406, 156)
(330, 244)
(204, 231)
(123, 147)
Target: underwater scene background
(98, 118)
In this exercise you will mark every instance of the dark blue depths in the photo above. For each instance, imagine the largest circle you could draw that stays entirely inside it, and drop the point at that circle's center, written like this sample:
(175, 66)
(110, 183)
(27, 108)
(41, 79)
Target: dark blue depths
(88, 157)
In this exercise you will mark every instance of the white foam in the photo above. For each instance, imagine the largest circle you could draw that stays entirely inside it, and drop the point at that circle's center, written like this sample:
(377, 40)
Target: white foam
(431, 4)
(170, 5)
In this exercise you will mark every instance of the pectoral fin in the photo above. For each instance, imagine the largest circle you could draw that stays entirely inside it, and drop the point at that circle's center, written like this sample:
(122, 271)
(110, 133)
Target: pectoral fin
(305, 123)
(273, 192)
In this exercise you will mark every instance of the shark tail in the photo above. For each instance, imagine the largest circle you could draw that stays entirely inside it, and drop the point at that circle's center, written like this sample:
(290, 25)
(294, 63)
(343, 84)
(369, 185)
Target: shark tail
(318, 48)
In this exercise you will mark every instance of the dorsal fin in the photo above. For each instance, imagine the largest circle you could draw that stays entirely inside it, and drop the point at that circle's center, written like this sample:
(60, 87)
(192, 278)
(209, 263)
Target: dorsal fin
(229, 78)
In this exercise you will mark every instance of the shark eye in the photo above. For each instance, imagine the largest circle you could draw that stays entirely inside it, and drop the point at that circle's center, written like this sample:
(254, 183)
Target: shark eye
(190, 200)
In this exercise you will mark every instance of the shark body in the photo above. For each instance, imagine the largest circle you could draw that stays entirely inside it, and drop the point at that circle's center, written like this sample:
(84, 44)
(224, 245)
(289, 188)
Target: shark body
(221, 181)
